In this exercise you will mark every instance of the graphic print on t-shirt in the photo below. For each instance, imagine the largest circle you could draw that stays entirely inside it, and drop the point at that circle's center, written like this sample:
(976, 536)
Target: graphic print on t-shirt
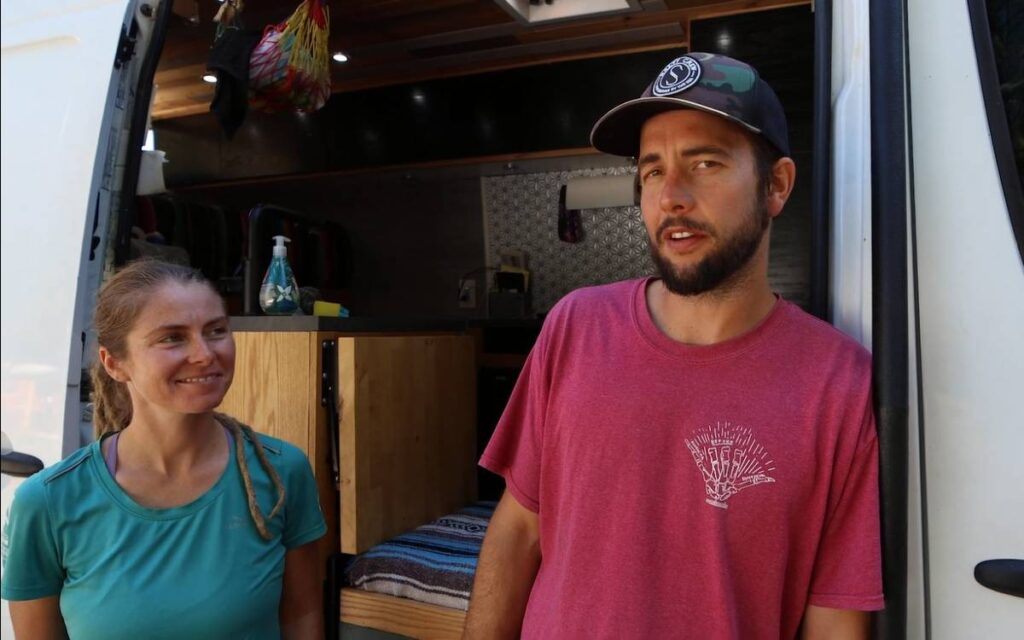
(730, 459)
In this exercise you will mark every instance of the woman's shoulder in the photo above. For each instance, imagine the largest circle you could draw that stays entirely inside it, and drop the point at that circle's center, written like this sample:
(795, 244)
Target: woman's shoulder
(278, 451)
(38, 488)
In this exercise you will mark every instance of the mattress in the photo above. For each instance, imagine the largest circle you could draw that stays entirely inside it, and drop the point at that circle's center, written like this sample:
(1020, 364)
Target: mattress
(434, 563)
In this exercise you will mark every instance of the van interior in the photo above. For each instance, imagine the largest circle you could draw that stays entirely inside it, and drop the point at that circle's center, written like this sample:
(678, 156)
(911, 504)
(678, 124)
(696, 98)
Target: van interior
(431, 197)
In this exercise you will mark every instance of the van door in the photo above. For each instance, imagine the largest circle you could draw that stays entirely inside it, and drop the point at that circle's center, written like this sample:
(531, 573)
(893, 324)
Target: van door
(968, 227)
(70, 83)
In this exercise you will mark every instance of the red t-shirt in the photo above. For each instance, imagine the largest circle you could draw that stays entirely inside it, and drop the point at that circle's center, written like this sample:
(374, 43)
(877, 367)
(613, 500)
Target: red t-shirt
(691, 491)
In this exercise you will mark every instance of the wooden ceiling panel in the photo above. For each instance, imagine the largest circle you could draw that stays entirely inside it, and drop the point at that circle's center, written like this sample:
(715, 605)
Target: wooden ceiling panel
(355, 35)
(399, 41)
(367, 11)
(498, 42)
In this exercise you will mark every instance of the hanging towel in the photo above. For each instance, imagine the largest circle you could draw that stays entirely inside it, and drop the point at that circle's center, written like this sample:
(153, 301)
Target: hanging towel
(229, 59)
(570, 225)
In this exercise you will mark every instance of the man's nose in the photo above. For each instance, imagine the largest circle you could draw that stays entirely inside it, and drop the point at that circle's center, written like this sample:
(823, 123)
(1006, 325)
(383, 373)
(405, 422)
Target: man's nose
(676, 194)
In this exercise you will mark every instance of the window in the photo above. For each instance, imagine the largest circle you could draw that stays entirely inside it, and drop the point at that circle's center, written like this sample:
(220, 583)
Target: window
(998, 27)
(1006, 27)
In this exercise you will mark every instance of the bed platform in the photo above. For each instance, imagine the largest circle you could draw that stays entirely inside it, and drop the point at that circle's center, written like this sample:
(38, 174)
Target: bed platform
(401, 615)
(418, 584)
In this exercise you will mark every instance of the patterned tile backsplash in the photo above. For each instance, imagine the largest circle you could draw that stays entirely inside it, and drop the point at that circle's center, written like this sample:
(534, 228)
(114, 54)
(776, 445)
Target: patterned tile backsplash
(521, 214)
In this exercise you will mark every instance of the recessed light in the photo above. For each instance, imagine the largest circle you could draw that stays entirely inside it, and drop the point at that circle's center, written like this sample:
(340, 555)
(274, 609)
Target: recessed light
(339, 57)
(212, 79)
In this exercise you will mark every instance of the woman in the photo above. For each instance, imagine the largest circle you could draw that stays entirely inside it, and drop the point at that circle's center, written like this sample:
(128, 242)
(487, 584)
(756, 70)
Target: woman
(177, 522)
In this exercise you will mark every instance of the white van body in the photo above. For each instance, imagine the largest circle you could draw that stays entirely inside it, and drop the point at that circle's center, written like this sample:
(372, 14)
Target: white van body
(65, 109)
(966, 465)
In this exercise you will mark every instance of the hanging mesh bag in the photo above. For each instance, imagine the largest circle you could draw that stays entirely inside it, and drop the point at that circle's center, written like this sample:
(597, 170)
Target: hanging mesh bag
(289, 68)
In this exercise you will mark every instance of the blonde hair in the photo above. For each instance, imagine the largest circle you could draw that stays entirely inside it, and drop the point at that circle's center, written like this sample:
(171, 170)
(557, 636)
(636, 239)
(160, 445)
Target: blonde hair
(117, 308)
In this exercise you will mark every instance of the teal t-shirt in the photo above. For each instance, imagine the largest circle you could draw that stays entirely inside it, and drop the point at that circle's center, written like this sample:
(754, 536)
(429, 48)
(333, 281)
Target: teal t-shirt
(127, 571)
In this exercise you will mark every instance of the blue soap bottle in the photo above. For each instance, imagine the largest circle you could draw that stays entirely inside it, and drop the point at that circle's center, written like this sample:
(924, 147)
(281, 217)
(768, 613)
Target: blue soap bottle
(279, 295)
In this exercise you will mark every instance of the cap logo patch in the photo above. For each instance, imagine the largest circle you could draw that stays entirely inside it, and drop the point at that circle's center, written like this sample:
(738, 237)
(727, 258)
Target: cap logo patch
(680, 74)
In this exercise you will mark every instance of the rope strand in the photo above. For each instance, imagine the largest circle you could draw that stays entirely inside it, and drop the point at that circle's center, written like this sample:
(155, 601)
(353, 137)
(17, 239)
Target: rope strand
(241, 431)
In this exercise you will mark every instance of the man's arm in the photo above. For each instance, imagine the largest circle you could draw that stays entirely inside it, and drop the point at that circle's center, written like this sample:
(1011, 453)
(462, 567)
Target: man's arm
(508, 564)
(821, 623)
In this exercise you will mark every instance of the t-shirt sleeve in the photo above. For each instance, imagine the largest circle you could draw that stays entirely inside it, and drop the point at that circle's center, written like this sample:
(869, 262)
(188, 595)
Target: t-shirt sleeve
(848, 570)
(31, 560)
(515, 450)
(304, 520)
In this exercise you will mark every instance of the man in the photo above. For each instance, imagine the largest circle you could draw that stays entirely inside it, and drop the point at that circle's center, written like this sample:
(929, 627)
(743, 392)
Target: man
(688, 456)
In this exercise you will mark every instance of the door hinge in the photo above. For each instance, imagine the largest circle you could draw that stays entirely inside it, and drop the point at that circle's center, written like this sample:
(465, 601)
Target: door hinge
(126, 45)
(329, 400)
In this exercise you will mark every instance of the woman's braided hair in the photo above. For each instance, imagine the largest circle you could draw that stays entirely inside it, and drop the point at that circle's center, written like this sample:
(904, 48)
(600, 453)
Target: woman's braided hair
(117, 308)
(242, 431)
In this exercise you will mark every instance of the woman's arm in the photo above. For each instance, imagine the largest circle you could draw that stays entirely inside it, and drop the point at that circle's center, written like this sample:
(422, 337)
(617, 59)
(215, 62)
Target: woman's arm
(38, 619)
(301, 611)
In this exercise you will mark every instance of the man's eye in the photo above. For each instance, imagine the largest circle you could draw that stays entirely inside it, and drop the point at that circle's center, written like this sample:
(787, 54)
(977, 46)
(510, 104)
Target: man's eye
(218, 332)
(653, 173)
(707, 164)
(170, 338)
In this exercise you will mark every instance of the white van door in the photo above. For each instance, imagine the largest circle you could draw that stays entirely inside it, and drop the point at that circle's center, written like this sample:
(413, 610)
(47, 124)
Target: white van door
(69, 74)
(927, 269)
(970, 316)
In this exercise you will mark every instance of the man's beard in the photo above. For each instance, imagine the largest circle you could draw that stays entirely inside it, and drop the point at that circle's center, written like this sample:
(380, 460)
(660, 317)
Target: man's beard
(721, 264)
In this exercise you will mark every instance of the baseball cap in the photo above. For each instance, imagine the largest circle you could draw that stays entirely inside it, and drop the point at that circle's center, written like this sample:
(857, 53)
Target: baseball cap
(709, 82)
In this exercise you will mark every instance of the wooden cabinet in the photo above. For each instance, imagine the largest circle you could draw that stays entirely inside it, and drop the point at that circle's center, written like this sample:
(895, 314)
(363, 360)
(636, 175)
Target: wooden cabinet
(407, 432)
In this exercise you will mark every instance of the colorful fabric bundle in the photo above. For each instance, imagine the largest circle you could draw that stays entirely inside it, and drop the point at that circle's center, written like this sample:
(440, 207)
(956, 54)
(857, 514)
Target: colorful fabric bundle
(289, 68)
(434, 563)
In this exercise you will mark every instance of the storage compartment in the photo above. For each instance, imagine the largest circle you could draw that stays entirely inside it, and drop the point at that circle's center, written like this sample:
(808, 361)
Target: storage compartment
(406, 422)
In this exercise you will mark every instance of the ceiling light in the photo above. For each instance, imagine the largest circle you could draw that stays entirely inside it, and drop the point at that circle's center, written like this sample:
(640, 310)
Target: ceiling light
(532, 12)
(339, 57)
(212, 79)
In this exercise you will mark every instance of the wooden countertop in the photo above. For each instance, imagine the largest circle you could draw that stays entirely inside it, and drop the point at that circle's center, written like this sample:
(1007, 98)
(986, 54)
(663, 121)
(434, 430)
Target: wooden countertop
(374, 325)
(346, 325)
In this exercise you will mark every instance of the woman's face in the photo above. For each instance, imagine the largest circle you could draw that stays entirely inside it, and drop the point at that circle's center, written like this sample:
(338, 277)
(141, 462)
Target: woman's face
(180, 353)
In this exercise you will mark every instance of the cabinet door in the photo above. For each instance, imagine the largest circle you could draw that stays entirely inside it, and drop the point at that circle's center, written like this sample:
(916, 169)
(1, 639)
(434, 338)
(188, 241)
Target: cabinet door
(276, 391)
(408, 434)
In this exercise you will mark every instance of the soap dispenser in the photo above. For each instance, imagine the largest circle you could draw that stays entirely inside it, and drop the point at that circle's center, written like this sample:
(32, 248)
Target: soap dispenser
(279, 295)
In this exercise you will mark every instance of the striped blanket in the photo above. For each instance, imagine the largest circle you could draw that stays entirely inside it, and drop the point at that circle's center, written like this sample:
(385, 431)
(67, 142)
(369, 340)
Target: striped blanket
(434, 563)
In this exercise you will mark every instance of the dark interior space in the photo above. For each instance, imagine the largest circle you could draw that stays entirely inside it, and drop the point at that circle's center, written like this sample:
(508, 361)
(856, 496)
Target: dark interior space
(394, 167)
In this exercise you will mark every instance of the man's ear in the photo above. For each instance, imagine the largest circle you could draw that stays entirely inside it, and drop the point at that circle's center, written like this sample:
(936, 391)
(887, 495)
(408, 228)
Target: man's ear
(112, 365)
(780, 185)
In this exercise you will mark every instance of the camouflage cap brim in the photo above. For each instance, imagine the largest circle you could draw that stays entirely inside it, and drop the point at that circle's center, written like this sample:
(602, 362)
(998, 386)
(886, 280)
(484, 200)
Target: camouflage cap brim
(618, 131)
